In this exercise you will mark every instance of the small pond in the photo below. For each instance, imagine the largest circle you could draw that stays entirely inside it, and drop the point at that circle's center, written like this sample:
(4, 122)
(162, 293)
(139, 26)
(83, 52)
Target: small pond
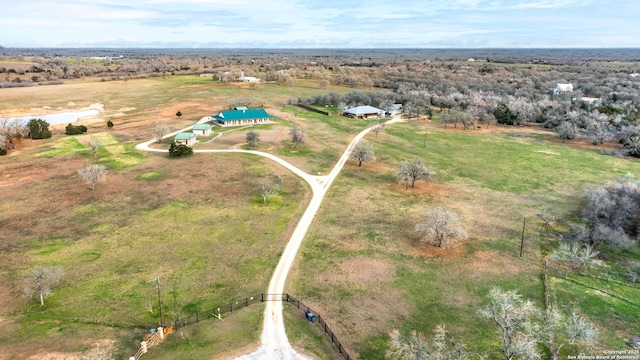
(59, 118)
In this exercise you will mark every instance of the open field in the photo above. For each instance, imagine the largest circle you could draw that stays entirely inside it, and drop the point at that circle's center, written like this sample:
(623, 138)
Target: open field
(196, 223)
(363, 269)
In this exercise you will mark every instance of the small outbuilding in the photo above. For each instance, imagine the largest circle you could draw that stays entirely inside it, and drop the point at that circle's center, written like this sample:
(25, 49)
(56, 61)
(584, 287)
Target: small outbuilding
(364, 112)
(562, 88)
(185, 138)
(201, 129)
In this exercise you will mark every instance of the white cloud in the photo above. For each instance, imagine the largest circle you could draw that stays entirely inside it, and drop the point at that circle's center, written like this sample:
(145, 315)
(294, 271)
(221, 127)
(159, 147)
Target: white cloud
(328, 23)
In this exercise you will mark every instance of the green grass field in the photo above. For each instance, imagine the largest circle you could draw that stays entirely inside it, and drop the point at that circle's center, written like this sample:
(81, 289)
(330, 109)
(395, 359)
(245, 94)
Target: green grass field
(197, 223)
(363, 268)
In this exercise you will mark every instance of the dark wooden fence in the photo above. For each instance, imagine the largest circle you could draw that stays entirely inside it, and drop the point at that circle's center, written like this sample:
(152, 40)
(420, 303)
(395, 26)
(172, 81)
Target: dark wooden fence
(334, 339)
(234, 306)
(312, 109)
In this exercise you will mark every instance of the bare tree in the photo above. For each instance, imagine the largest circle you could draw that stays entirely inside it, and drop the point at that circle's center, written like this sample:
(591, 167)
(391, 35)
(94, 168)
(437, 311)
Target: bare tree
(93, 144)
(297, 135)
(93, 173)
(515, 318)
(377, 129)
(159, 131)
(415, 346)
(568, 330)
(413, 170)
(266, 187)
(40, 281)
(567, 131)
(441, 228)
(324, 84)
(253, 138)
(362, 152)
(578, 256)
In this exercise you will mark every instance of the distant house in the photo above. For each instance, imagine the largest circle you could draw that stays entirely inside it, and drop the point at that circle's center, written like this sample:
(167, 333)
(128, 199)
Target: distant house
(364, 112)
(249, 79)
(561, 88)
(394, 109)
(589, 100)
(185, 138)
(242, 117)
(201, 129)
(206, 75)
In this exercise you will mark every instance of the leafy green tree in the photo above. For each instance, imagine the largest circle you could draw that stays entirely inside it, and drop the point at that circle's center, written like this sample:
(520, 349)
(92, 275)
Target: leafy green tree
(179, 150)
(109, 123)
(39, 129)
(503, 115)
(75, 130)
(178, 114)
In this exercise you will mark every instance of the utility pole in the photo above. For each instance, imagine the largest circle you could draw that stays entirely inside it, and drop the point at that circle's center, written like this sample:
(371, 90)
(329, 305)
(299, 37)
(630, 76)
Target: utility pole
(524, 223)
(425, 136)
(159, 301)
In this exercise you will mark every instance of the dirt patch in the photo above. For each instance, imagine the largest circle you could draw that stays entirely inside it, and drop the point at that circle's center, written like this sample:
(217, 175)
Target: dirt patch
(102, 349)
(368, 271)
(494, 263)
(430, 251)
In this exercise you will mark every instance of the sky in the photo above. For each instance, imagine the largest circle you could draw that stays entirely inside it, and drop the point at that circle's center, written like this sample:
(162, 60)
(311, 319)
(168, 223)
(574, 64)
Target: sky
(321, 23)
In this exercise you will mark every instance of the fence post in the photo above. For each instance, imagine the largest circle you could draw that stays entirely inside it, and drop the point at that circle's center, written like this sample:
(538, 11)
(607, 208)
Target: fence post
(246, 302)
(197, 317)
(262, 297)
(231, 307)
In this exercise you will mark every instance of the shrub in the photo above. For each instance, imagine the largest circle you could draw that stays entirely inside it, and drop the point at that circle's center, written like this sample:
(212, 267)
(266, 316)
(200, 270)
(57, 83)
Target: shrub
(39, 129)
(179, 150)
(75, 130)
(3, 151)
(109, 124)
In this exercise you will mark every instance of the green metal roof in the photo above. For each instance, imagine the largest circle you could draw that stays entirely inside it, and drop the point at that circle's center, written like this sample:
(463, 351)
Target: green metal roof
(231, 115)
(185, 136)
(201, 127)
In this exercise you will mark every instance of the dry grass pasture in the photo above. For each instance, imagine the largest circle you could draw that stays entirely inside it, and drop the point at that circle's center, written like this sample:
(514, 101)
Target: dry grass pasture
(196, 223)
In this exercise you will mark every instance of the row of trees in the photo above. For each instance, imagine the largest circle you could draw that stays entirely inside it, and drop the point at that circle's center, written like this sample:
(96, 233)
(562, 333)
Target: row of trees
(521, 328)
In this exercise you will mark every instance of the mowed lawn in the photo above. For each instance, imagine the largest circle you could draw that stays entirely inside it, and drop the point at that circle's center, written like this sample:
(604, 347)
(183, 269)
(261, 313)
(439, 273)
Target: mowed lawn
(363, 269)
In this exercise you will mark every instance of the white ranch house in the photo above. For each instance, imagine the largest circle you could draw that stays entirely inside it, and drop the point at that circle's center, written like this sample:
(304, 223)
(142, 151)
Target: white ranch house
(364, 112)
(242, 116)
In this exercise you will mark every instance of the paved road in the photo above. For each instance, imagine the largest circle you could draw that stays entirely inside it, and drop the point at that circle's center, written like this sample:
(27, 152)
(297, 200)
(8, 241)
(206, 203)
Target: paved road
(275, 344)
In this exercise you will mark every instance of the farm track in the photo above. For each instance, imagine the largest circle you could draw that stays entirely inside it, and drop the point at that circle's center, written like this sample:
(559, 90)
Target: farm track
(275, 344)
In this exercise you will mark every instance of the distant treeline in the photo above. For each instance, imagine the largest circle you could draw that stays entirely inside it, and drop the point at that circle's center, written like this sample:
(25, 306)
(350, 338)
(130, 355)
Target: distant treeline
(551, 55)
